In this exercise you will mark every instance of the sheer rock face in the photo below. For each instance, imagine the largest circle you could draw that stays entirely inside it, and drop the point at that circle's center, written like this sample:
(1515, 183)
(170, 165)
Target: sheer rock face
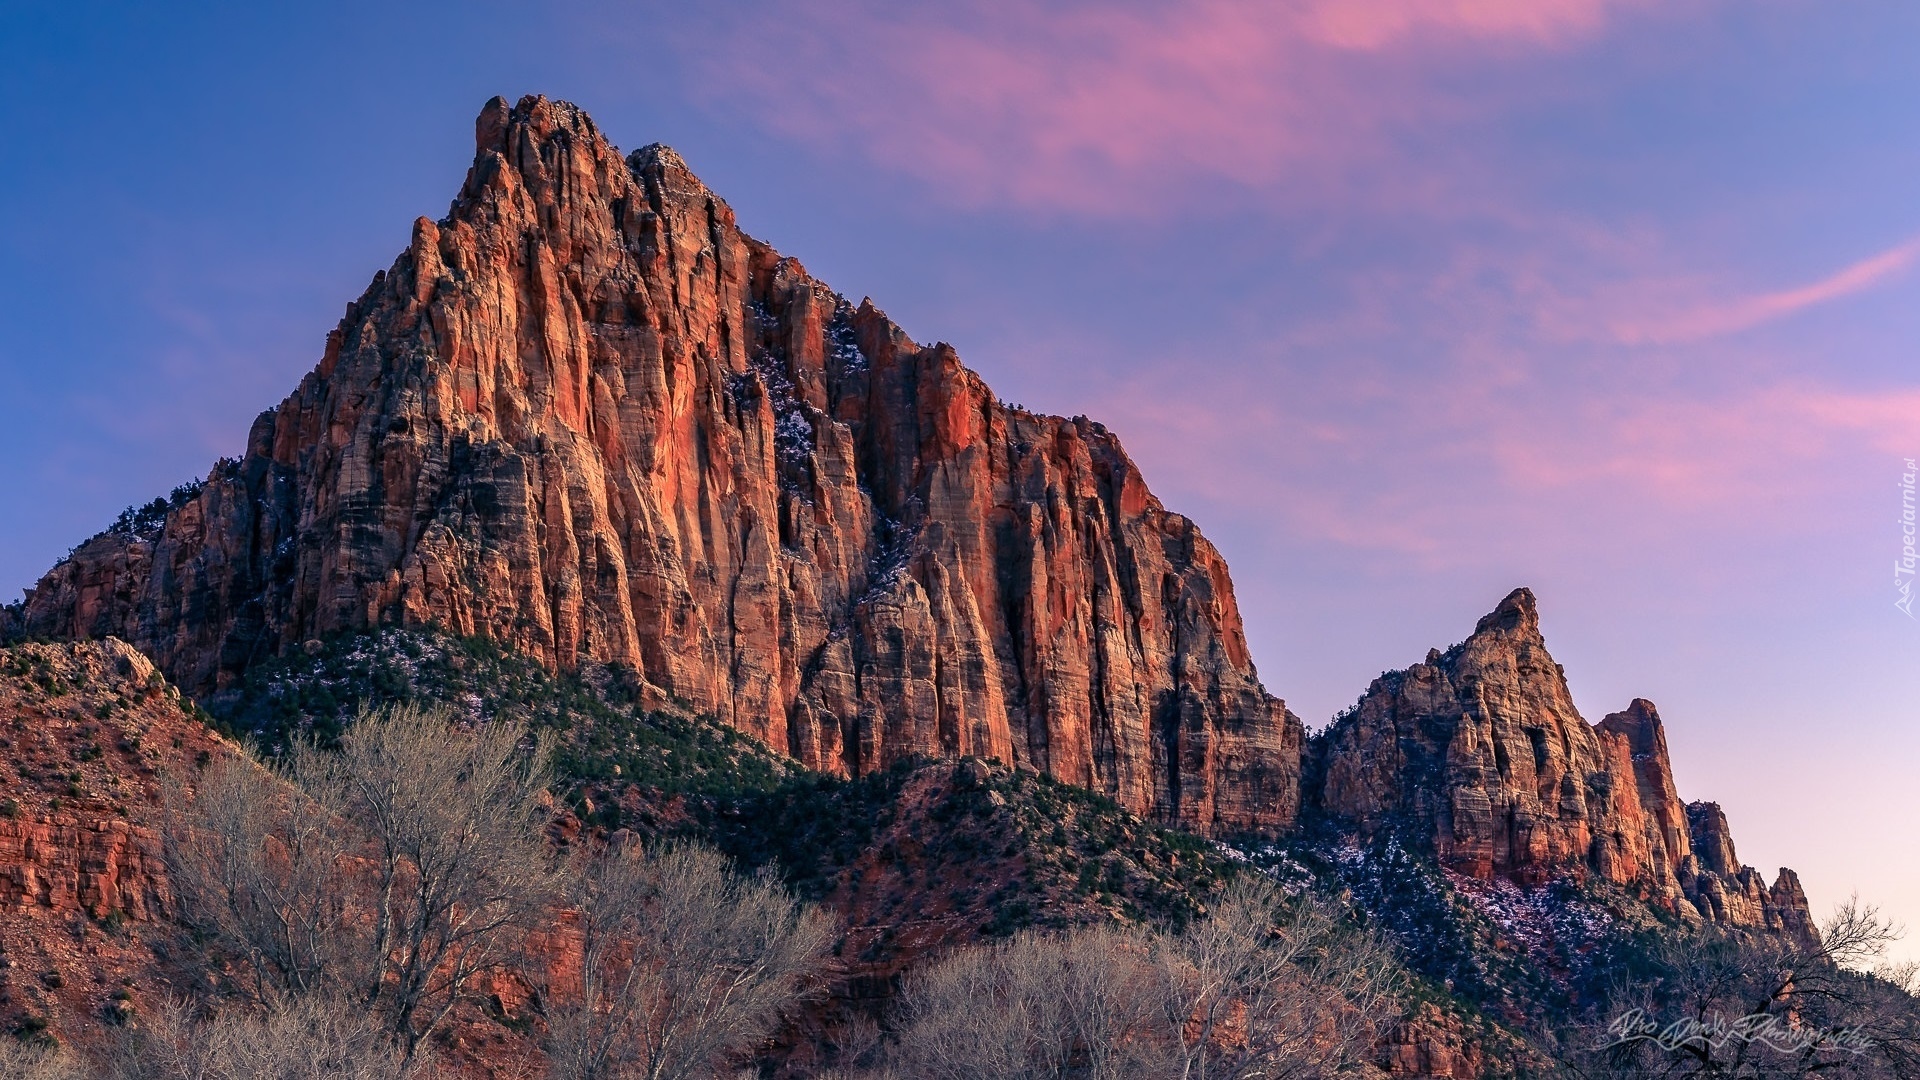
(588, 417)
(1481, 753)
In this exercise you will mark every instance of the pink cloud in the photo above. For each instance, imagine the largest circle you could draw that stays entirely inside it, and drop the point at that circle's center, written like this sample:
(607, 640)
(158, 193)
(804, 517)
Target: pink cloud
(1745, 313)
(1372, 24)
(1449, 471)
(1769, 450)
(1106, 108)
(1567, 283)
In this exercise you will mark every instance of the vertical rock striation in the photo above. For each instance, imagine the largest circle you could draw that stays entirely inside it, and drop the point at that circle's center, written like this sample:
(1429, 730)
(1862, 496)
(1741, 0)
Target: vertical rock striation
(1480, 755)
(586, 416)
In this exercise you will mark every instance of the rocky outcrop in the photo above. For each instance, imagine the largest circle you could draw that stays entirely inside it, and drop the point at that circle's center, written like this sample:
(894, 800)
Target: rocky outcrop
(1431, 1044)
(92, 740)
(85, 732)
(95, 867)
(1711, 839)
(1724, 891)
(1479, 754)
(586, 416)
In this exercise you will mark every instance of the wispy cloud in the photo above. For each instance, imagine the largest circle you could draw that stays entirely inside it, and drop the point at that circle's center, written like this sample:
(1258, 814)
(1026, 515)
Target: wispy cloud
(1745, 313)
(1456, 473)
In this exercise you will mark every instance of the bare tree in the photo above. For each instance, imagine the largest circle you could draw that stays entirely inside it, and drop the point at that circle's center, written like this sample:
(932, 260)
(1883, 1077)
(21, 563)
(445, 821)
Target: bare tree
(263, 871)
(1274, 987)
(964, 1017)
(685, 965)
(307, 1038)
(857, 1046)
(1736, 1003)
(20, 1060)
(458, 862)
(1105, 988)
(1077, 1004)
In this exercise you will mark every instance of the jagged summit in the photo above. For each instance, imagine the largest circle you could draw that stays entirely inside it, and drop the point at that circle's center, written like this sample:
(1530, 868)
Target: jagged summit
(585, 415)
(1518, 613)
(1481, 754)
(657, 156)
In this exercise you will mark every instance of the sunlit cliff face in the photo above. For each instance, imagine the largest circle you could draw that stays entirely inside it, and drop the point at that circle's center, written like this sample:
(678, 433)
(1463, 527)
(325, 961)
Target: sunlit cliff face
(1405, 307)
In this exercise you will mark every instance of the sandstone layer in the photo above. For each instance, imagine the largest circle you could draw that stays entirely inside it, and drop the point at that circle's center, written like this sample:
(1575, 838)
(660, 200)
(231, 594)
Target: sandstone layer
(90, 735)
(1480, 754)
(588, 417)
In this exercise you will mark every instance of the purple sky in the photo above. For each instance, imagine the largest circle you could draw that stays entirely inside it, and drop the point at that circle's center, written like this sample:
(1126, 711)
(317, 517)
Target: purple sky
(1406, 302)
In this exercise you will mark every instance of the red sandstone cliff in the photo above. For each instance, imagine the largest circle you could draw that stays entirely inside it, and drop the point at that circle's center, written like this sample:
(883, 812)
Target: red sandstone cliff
(587, 416)
(1481, 753)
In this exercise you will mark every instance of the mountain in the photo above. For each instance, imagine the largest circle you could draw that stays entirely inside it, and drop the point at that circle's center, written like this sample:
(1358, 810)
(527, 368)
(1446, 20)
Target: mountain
(587, 417)
(1480, 757)
(781, 580)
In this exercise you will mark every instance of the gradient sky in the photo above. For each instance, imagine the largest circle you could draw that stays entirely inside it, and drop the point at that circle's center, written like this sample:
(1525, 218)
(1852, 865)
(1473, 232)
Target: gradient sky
(1407, 302)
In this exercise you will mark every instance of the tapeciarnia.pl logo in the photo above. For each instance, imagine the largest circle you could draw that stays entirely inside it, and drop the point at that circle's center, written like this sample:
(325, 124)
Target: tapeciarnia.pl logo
(1903, 567)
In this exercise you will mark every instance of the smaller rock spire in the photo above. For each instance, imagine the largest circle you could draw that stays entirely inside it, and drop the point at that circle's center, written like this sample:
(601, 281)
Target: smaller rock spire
(1517, 613)
(490, 127)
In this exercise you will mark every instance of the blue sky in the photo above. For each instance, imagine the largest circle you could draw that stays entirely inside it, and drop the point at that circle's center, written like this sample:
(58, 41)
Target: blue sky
(1406, 303)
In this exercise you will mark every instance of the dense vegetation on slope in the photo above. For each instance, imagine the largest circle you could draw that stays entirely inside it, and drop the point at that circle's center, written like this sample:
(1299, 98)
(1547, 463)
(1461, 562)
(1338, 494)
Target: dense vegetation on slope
(1528, 954)
(604, 732)
(1016, 848)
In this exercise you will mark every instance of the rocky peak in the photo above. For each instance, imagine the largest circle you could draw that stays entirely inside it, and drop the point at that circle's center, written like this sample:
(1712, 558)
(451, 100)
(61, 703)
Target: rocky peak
(1482, 744)
(586, 416)
(1481, 756)
(1517, 616)
(1712, 840)
(1635, 733)
(1639, 724)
